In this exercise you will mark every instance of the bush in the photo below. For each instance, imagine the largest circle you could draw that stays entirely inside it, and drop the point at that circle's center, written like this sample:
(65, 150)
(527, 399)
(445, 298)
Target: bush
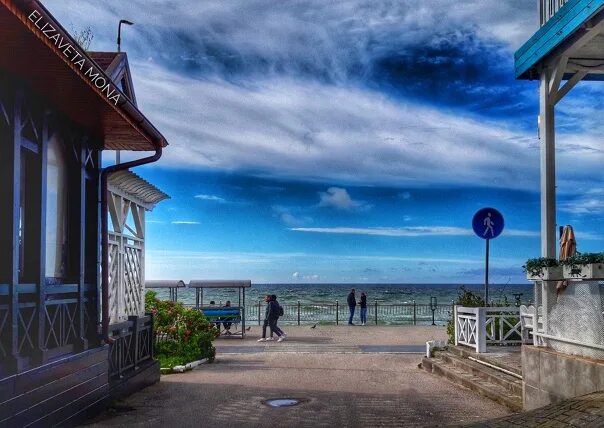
(583, 259)
(183, 335)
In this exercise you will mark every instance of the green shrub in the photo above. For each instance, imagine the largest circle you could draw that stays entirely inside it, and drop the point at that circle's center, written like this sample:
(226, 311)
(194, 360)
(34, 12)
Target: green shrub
(583, 259)
(534, 266)
(184, 335)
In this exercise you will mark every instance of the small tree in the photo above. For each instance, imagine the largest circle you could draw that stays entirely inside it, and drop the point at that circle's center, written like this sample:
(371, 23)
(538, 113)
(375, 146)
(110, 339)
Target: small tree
(84, 37)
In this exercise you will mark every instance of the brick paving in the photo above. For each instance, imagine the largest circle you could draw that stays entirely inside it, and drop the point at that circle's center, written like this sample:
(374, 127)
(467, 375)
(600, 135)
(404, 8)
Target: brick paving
(586, 411)
(340, 390)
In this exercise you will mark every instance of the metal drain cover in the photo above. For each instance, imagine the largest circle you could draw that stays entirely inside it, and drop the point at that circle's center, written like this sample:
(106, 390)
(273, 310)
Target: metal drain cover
(283, 402)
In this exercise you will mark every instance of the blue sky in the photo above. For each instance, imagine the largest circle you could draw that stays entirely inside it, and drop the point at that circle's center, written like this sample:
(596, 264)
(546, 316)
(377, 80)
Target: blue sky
(347, 142)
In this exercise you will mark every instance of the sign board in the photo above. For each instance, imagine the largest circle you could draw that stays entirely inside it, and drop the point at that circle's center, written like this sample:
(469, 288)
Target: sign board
(488, 223)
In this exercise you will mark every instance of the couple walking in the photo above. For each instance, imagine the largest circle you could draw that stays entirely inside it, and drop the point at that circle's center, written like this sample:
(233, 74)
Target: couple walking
(352, 304)
(273, 311)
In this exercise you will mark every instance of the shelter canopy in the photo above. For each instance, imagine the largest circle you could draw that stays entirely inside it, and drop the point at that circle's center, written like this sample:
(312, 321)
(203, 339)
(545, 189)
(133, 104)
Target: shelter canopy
(220, 284)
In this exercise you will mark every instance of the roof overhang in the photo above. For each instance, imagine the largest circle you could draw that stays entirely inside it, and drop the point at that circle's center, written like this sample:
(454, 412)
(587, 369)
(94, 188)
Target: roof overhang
(38, 50)
(132, 187)
(164, 283)
(576, 31)
(217, 283)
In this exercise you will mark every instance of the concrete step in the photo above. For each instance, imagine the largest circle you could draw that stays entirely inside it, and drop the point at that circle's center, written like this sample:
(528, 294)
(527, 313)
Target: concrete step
(509, 382)
(464, 351)
(478, 384)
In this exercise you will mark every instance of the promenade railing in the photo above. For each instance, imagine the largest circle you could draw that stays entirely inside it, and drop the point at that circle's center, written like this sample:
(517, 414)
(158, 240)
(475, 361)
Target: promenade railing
(337, 313)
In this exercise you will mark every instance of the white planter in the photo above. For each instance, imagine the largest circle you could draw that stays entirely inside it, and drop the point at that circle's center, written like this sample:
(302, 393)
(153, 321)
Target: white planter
(553, 273)
(586, 272)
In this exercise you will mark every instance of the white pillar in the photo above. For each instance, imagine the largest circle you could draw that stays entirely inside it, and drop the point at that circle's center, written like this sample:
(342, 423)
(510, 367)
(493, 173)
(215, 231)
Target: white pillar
(547, 136)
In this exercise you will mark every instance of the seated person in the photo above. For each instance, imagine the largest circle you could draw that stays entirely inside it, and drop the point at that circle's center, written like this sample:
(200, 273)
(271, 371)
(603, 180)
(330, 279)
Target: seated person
(227, 325)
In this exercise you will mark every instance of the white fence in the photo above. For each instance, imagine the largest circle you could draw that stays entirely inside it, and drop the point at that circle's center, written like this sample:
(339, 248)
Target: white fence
(479, 327)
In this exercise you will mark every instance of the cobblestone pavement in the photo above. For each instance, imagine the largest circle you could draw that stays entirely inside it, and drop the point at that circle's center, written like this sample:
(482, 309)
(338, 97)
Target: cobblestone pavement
(586, 411)
(338, 389)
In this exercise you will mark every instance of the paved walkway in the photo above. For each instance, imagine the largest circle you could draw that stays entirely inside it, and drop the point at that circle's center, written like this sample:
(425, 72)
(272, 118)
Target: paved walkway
(348, 380)
(586, 411)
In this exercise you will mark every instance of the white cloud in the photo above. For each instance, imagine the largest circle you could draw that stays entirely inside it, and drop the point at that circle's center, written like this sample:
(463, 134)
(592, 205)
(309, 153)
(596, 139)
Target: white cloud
(407, 231)
(185, 222)
(589, 202)
(297, 129)
(285, 215)
(212, 198)
(283, 121)
(338, 197)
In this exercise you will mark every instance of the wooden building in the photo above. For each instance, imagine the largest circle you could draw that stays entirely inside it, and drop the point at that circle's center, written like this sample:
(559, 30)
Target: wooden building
(568, 357)
(60, 107)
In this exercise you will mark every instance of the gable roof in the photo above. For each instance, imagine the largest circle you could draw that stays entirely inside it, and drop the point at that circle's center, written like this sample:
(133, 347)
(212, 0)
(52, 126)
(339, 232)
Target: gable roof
(40, 53)
(115, 65)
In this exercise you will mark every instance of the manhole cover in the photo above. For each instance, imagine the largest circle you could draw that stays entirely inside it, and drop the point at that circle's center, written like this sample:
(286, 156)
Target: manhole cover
(283, 402)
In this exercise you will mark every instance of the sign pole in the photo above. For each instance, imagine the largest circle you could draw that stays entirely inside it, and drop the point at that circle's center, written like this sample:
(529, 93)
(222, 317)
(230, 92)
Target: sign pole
(486, 275)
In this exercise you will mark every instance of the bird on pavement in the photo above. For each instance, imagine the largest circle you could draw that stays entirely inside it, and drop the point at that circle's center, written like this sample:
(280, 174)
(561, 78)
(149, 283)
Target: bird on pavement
(314, 326)
(248, 329)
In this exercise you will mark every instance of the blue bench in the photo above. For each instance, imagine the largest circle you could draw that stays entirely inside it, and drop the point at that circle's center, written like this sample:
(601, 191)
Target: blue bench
(224, 314)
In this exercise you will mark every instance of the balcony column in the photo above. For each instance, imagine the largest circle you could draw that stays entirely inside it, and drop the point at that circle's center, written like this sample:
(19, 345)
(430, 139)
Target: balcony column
(547, 136)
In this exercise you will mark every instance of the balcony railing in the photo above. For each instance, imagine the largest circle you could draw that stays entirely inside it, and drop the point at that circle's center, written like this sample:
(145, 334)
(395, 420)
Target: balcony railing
(479, 327)
(548, 8)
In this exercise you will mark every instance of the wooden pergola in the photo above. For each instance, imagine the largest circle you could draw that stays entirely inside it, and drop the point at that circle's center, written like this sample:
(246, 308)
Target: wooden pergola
(129, 198)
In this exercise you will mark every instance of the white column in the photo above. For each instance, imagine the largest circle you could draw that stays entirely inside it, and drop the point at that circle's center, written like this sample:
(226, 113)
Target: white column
(547, 136)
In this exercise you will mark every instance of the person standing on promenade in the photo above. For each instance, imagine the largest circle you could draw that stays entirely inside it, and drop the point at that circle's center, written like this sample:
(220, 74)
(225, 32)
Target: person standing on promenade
(276, 328)
(363, 304)
(352, 303)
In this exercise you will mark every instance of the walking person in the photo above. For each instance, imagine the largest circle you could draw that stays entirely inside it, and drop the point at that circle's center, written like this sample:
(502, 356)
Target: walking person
(271, 315)
(352, 303)
(276, 328)
(363, 303)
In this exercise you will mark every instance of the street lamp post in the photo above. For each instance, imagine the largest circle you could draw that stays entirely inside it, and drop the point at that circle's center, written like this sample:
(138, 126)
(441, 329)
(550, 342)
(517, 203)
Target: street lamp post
(119, 42)
(119, 32)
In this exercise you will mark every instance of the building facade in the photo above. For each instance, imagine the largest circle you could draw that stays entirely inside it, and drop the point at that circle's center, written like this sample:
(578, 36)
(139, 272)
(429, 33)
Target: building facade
(59, 109)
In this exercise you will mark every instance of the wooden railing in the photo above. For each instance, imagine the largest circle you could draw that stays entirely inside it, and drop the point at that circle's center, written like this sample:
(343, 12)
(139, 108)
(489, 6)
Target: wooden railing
(44, 327)
(131, 343)
(548, 8)
(479, 327)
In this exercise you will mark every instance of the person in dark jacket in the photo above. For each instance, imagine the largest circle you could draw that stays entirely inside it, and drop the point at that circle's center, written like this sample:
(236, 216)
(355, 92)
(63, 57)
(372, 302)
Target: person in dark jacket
(275, 328)
(271, 315)
(363, 304)
(352, 303)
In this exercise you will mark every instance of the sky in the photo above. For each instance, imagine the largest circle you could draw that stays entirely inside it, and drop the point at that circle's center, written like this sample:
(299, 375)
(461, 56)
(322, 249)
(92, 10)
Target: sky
(328, 142)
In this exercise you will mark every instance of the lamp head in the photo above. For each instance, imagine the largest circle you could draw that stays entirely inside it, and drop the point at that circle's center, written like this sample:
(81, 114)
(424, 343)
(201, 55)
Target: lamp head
(125, 21)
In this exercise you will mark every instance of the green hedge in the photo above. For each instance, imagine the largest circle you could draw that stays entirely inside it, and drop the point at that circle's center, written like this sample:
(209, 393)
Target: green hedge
(185, 335)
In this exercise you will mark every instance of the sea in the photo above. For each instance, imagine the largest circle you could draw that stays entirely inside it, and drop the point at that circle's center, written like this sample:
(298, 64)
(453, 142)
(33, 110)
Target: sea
(290, 294)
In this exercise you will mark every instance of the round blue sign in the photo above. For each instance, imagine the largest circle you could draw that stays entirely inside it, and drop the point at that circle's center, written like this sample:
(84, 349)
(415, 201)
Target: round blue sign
(487, 223)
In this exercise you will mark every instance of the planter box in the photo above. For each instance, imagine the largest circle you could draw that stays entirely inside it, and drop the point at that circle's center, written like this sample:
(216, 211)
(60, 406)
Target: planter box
(587, 272)
(553, 273)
